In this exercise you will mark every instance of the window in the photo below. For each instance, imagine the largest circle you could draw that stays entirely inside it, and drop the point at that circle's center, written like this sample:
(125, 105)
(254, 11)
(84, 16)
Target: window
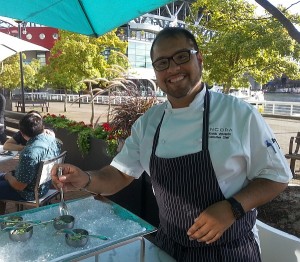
(42, 58)
(42, 36)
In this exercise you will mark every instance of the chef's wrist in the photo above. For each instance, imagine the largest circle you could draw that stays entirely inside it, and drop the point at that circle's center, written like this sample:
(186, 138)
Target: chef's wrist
(236, 208)
(89, 176)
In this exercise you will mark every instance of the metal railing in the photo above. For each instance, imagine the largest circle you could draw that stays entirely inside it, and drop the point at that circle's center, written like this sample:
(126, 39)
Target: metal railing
(278, 108)
(265, 107)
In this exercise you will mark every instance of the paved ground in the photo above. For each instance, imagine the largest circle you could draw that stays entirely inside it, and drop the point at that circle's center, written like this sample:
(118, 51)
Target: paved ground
(82, 113)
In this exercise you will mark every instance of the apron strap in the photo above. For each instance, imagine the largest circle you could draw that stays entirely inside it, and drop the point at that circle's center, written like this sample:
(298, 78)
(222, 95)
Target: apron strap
(206, 121)
(156, 136)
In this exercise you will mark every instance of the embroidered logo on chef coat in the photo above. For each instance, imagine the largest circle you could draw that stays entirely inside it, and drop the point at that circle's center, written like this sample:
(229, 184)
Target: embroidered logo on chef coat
(220, 132)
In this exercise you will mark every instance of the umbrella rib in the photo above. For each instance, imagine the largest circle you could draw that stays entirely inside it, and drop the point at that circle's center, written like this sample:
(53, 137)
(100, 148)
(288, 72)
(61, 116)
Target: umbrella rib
(88, 19)
(10, 48)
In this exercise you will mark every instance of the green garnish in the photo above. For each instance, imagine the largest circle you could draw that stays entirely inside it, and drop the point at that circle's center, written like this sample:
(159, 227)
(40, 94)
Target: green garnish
(77, 236)
(22, 229)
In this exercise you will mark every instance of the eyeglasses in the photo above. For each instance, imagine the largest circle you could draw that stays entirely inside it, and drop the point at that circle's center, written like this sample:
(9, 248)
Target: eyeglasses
(179, 58)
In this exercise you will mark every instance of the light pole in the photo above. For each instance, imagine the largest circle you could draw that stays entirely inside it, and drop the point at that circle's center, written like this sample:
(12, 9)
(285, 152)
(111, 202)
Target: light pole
(21, 69)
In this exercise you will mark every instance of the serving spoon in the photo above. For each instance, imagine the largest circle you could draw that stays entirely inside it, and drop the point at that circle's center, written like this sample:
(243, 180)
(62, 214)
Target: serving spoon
(63, 209)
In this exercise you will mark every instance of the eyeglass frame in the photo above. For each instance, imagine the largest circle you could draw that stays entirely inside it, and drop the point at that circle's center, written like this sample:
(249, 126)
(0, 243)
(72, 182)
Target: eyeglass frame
(189, 51)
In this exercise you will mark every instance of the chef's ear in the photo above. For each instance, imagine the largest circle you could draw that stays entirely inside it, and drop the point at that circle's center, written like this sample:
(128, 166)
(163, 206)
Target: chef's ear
(199, 57)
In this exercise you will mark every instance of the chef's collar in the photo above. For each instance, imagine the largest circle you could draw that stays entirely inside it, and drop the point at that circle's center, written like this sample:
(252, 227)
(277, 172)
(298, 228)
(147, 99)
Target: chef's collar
(198, 100)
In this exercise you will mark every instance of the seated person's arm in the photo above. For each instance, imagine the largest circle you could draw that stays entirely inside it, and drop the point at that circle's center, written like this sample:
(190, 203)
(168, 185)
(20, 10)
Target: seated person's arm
(11, 145)
(14, 183)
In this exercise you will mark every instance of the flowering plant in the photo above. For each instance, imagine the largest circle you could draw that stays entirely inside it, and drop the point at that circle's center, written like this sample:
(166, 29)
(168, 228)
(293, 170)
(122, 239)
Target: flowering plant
(85, 132)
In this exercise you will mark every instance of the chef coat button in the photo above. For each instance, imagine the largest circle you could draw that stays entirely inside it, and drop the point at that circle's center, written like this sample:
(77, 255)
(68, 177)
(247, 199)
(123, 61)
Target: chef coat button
(163, 141)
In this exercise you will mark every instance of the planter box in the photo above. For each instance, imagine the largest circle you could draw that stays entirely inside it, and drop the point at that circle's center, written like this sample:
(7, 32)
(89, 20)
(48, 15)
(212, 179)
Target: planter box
(95, 159)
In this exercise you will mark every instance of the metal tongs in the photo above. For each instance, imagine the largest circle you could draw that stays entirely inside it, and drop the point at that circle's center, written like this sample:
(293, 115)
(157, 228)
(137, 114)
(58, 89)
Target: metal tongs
(63, 209)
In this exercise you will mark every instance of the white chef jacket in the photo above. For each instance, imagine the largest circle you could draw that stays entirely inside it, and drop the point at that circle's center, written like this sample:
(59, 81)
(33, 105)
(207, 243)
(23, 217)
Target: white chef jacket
(241, 144)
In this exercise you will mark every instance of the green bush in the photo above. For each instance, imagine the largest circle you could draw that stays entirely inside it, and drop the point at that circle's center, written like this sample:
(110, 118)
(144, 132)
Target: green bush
(84, 132)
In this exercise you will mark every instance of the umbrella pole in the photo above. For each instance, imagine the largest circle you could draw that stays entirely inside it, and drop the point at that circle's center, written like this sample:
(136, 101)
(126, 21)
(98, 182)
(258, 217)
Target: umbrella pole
(22, 83)
(21, 70)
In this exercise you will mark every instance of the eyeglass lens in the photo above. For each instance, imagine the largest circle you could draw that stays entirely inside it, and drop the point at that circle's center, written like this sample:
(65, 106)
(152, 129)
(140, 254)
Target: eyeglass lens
(178, 58)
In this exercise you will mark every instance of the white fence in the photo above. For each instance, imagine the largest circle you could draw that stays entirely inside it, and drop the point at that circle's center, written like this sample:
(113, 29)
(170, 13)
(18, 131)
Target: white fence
(278, 108)
(266, 107)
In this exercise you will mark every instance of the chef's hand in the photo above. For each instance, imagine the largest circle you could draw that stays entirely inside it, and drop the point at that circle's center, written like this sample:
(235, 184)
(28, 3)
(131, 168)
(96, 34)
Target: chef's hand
(212, 223)
(72, 177)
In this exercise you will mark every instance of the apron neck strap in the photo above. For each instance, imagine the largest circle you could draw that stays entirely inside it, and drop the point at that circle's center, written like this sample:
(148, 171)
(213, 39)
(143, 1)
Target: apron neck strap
(206, 120)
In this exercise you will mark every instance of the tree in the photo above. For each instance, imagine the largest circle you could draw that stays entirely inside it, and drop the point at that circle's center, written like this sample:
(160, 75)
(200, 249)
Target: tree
(282, 18)
(33, 80)
(235, 45)
(10, 75)
(76, 57)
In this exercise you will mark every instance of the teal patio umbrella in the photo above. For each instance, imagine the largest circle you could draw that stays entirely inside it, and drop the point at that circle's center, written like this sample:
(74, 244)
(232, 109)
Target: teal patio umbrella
(88, 17)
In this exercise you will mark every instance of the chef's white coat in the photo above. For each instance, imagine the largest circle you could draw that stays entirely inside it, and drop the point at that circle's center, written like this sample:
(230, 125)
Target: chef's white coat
(241, 145)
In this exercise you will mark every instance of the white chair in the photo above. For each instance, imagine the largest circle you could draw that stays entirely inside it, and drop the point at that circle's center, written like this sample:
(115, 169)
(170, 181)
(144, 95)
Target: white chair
(42, 177)
(277, 245)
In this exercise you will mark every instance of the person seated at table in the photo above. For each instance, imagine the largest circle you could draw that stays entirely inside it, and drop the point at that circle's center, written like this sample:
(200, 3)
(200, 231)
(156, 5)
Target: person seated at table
(2, 109)
(17, 142)
(40, 146)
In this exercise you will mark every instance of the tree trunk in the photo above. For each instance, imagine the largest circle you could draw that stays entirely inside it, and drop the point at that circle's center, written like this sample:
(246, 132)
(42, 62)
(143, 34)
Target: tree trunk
(92, 105)
(65, 101)
(109, 106)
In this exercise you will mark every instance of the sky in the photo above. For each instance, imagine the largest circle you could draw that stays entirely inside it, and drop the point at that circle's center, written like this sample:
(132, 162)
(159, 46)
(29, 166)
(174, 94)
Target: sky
(285, 3)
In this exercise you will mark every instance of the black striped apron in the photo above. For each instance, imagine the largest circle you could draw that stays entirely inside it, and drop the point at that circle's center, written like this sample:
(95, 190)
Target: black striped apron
(184, 186)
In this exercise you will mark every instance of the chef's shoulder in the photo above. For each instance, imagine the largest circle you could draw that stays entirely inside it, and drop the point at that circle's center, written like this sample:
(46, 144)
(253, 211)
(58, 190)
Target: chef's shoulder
(224, 102)
(151, 117)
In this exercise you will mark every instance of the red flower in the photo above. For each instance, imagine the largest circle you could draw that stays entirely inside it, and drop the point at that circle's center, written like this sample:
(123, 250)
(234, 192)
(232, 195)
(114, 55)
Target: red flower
(106, 127)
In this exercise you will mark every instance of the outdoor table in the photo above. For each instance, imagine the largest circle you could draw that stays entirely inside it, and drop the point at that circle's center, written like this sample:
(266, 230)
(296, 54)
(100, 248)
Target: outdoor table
(6, 157)
(98, 217)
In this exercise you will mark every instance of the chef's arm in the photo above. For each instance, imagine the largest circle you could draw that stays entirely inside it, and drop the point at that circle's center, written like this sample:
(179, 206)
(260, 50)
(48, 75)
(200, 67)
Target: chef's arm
(211, 223)
(106, 181)
(259, 192)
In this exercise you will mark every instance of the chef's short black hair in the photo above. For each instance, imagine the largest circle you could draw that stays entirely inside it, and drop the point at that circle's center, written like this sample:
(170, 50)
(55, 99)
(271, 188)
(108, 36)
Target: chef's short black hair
(174, 31)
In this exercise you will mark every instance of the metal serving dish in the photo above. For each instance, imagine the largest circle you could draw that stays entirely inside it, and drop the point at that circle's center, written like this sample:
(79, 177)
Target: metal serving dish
(21, 233)
(11, 221)
(78, 238)
(64, 222)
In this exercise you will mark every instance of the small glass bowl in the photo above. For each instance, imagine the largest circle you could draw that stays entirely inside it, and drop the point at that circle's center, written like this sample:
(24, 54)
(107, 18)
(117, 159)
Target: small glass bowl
(13, 220)
(79, 239)
(21, 233)
(64, 222)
